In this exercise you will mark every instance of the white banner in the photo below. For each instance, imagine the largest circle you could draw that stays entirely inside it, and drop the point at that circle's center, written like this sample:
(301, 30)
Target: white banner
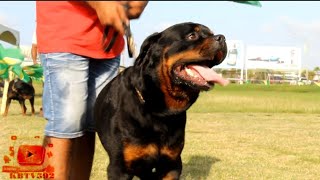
(272, 57)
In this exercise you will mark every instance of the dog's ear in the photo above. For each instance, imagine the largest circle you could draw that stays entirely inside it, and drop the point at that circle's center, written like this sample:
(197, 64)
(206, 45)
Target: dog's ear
(145, 47)
(148, 41)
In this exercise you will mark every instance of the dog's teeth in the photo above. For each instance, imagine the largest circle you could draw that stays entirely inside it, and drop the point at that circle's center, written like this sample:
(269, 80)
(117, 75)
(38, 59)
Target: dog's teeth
(190, 72)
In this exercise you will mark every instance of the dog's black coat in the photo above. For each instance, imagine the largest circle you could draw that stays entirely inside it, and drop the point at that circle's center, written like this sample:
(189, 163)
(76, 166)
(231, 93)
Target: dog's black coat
(141, 114)
(20, 91)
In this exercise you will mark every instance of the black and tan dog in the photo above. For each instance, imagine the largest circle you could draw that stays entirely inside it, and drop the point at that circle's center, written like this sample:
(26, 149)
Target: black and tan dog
(20, 91)
(141, 114)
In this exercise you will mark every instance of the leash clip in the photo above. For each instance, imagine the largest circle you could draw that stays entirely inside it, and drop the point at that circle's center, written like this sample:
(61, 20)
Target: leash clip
(129, 39)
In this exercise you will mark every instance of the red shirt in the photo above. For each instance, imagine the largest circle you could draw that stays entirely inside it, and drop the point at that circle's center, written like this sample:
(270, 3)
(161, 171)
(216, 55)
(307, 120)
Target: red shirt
(74, 27)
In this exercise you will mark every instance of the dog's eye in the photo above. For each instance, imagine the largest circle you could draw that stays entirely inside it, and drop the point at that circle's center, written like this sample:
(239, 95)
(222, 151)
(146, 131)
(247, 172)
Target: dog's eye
(192, 36)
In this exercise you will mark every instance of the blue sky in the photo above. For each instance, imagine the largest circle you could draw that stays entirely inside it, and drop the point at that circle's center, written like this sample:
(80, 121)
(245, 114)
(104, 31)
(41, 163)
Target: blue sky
(276, 23)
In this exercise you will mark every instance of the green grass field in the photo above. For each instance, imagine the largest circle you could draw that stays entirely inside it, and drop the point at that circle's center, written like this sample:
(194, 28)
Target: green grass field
(233, 132)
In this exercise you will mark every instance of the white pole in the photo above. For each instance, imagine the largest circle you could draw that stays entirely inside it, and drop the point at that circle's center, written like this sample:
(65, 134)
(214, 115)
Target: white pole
(5, 92)
(4, 96)
(244, 66)
(241, 77)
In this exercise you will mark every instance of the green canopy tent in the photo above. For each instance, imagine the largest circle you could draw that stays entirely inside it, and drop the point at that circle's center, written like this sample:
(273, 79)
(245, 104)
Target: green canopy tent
(10, 36)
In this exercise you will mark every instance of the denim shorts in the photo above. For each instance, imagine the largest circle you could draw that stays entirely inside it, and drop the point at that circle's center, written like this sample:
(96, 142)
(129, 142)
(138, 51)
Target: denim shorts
(72, 84)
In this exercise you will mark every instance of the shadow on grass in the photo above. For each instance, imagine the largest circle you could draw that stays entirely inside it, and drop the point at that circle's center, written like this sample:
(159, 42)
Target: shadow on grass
(198, 167)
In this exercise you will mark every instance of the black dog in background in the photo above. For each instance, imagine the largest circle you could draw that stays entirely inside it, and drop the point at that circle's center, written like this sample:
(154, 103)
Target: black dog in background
(1, 87)
(20, 91)
(141, 114)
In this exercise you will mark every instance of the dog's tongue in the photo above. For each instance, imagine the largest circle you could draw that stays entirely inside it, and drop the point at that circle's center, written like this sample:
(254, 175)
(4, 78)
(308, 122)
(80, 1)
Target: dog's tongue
(210, 75)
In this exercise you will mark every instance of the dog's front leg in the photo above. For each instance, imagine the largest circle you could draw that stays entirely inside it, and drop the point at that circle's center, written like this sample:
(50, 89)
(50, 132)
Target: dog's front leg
(171, 170)
(115, 172)
(172, 175)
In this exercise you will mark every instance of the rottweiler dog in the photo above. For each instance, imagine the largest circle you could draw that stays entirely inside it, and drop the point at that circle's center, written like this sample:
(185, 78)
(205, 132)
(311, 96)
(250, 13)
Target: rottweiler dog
(141, 114)
(20, 91)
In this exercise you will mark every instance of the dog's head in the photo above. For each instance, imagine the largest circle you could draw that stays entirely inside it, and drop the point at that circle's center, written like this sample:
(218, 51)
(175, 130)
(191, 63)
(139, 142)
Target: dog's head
(182, 56)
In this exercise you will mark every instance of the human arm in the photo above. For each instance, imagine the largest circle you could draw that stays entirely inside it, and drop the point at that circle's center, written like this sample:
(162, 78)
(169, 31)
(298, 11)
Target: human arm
(34, 48)
(110, 13)
(117, 13)
(134, 8)
(34, 53)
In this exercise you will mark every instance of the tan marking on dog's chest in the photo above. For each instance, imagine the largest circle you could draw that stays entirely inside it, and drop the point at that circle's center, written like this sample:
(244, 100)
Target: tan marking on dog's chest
(172, 153)
(133, 152)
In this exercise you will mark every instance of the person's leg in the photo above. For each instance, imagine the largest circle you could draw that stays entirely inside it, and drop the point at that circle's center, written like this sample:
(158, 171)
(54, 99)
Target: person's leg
(82, 156)
(64, 106)
(58, 157)
(100, 73)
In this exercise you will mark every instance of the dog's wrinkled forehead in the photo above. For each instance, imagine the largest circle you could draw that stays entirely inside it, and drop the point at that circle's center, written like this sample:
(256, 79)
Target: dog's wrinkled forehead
(173, 40)
(183, 29)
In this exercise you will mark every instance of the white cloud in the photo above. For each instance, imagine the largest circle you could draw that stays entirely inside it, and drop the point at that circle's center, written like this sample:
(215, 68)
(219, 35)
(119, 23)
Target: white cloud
(8, 21)
(303, 33)
(3, 19)
(308, 33)
(302, 28)
(267, 28)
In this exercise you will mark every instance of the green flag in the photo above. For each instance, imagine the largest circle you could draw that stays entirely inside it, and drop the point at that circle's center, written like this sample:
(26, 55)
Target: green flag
(10, 60)
(253, 3)
(4, 70)
(16, 69)
(34, 71)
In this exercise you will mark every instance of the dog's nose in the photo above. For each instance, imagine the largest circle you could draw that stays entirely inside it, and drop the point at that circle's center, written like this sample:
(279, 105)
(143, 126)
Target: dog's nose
(219, 38)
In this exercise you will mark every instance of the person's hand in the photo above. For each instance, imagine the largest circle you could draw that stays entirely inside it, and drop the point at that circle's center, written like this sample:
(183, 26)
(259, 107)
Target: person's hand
(34, 53)
(111, 13)
(134, 8)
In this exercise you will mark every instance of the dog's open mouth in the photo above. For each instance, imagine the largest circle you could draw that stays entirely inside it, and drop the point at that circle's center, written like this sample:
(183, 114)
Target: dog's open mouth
(199, 75)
